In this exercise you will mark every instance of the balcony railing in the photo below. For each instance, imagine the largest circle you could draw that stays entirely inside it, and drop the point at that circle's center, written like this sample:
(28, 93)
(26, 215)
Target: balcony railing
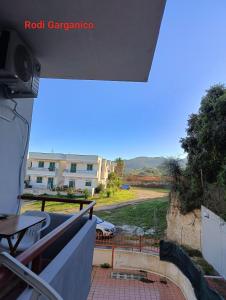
(68, 172)
(42, 169)
(34, 253)
(134, 243)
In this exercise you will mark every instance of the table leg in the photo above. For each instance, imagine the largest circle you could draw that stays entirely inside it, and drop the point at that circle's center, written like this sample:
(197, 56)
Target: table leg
(10, 245)
(13, 248)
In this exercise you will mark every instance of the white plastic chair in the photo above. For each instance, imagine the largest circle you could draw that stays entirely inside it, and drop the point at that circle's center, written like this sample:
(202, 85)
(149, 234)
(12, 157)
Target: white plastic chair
(32, 235)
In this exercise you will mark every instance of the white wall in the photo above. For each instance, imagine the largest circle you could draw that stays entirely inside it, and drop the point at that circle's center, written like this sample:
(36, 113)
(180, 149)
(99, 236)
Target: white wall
(12, 143)
(213, 239)
(80, 183)
(44, 183)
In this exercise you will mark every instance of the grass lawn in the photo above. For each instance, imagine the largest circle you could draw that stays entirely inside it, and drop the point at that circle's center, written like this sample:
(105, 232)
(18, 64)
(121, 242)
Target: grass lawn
(119, 197)
(148, 214)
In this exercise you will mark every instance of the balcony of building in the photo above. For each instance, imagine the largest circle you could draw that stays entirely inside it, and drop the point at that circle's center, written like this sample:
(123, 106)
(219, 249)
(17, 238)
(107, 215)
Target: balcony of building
(36, 171)
(80, 173)
(61, 258)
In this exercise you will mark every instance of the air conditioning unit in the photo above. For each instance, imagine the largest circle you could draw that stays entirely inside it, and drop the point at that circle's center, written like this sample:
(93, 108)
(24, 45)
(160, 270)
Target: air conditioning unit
(19, 69)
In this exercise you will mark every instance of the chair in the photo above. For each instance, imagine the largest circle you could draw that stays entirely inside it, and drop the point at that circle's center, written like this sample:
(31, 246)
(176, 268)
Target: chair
(32, 235)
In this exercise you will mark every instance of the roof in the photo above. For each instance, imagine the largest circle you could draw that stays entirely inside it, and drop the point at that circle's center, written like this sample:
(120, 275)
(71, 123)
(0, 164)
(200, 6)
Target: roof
(121, 47)
(40, 155)
(66, 157)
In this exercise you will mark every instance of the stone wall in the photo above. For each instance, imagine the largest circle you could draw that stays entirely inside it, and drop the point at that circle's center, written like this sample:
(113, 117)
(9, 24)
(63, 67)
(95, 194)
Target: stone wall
(183, 229)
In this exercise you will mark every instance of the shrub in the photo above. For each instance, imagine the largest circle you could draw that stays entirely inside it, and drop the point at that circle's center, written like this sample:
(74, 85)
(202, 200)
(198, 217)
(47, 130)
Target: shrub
(70, 193)
(108, 193)
(102, 194)
(99, 188)
(191, 252)
(86, 193)
(113, 181)
(28, 194)
(105, 265)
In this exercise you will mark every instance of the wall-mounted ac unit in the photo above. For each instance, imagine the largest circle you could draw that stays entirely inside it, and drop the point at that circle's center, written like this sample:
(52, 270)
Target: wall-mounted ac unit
(19, 69)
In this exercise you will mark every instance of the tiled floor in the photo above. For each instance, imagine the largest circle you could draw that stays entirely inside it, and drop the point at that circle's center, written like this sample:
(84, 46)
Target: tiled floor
(105, 288)
(219, 285)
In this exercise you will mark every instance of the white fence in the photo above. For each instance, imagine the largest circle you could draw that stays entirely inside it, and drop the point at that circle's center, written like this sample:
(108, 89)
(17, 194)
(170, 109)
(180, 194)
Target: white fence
(213, 239)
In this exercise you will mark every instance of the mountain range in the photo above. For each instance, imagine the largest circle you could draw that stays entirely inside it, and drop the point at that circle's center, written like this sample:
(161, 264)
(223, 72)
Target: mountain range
(145, 163)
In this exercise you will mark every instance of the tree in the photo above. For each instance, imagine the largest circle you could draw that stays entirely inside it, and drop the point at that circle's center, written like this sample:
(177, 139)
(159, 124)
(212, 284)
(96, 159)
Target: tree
(114, 182)
(205, 145)
(173, 169)
(206, 136)
(119, 168)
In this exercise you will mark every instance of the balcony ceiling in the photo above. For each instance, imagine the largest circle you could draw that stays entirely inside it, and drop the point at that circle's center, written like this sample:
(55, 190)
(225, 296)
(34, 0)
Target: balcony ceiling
(121, 47)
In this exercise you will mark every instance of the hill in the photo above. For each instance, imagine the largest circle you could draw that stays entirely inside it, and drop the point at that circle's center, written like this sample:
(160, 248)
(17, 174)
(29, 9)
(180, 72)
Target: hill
(147, 165)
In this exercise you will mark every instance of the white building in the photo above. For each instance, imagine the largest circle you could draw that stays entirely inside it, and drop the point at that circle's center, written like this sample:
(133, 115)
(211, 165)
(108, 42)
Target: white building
(48, 170)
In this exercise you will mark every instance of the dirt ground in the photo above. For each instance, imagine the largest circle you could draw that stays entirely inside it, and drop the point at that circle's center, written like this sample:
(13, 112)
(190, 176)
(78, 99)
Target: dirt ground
(141, 196)
(148, 193)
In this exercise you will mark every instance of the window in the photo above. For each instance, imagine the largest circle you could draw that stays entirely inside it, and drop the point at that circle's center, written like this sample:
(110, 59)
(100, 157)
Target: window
(41, 164)
(52, 166)
(88, 183)
(71, 183)
(73, 168)
(89, 167)
(39, 180)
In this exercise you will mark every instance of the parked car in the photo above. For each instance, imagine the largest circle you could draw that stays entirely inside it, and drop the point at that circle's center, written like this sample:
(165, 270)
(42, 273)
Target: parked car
(104, 228)
(125, 187)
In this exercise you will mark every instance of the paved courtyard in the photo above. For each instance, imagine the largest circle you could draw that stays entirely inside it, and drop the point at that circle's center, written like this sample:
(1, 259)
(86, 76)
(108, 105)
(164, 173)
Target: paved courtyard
(154, 288)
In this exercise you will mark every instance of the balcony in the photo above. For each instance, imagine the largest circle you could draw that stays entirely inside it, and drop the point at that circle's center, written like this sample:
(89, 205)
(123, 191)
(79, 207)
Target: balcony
(62, 258)
(41, 171)
(80, 173)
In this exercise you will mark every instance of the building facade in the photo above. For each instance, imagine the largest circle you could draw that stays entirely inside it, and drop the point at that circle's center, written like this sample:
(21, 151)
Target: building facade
(49, 170)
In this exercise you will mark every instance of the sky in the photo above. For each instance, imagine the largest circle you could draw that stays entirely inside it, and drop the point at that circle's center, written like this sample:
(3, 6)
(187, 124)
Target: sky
(124, 119)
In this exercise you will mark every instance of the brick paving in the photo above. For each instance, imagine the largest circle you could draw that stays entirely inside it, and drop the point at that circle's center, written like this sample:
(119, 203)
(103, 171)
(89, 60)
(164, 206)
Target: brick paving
(105, 288)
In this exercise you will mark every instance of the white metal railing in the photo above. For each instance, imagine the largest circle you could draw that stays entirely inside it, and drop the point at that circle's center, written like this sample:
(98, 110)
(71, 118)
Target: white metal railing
(42, 169)
(68, 171)
(38, 284)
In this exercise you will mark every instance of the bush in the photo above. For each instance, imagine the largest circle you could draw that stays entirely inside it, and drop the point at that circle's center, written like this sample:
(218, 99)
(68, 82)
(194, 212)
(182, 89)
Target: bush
(108, 193)
(70, 193)
(99, 188)
(114, 181)
(105, 265)
(28, 194)
(86, 193)
(191, 252)
(102, 194)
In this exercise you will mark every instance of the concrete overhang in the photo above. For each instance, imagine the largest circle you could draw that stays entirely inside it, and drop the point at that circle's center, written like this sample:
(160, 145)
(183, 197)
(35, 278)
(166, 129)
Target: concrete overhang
(121, 47)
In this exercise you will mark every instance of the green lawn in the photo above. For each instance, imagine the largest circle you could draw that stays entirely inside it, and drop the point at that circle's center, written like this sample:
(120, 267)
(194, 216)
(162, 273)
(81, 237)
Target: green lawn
(119, 197)
(147, 215)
